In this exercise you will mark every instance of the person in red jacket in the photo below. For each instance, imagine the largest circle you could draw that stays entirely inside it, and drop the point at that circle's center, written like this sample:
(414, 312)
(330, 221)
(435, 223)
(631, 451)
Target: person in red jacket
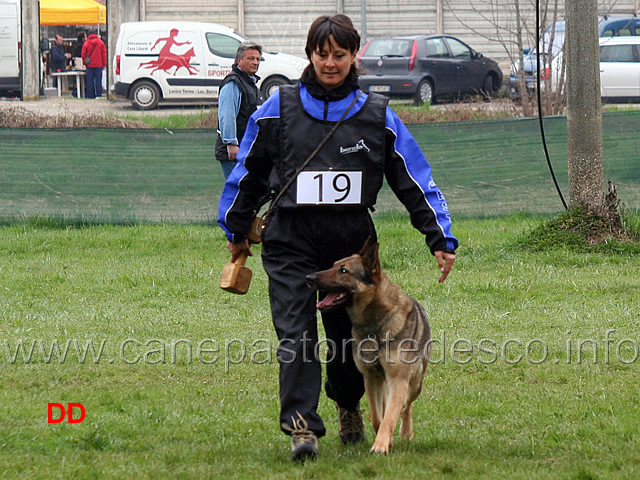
(95, 51)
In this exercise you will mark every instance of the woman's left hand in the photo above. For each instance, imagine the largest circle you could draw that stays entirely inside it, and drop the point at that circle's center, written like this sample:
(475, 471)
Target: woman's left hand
(445, 262)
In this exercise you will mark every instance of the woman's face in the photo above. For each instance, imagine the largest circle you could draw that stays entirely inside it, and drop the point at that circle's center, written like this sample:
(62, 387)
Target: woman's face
(332, 63)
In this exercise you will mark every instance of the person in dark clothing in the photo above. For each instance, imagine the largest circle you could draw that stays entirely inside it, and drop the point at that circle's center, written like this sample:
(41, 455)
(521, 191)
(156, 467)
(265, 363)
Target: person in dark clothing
(319, 220)
(238, 98)
(59, 57)
(76, 49)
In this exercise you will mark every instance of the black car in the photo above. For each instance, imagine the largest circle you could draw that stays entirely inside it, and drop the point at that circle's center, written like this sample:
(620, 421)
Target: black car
(425, 67)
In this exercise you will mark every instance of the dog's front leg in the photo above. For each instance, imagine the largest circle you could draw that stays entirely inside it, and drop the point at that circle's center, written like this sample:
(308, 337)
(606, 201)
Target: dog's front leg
(398, 389)
(374, 386)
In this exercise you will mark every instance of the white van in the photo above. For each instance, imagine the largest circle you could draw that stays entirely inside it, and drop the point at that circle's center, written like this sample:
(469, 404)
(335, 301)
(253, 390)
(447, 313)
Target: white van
(186, 61)
(10, 45)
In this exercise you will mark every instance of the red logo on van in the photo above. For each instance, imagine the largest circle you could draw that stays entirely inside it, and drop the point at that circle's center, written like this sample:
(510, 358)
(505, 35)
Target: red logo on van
(167, 59)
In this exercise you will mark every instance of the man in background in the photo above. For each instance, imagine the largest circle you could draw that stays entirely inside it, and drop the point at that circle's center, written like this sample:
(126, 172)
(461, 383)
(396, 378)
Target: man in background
(58, 59)
(238, 98)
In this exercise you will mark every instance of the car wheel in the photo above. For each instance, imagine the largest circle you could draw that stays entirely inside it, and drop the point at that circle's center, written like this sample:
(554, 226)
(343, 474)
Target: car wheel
(424, 93)
(144, 96)
(487, 87)
(271, 85)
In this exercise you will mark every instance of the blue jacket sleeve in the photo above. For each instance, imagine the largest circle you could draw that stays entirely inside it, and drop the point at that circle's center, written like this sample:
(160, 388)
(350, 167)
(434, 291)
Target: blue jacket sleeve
(249, 180)
(408, 174)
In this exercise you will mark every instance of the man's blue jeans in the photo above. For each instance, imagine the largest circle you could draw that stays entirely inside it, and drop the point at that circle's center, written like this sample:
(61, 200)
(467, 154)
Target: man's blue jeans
(93, 78)
(227, 166)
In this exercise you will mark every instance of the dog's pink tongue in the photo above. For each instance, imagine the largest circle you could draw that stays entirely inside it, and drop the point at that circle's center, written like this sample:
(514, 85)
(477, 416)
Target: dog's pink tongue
(328, 300)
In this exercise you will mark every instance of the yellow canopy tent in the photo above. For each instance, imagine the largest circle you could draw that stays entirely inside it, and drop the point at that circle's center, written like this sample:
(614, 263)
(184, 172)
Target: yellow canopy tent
(72, 12)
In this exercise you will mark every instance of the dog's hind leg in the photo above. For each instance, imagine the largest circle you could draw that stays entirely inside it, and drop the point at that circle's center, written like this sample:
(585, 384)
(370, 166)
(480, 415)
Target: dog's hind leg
(406, 417)
(415, 388)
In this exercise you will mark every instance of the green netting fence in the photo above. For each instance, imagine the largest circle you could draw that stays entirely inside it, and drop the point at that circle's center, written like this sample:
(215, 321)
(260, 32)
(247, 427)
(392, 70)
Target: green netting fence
(121, 175)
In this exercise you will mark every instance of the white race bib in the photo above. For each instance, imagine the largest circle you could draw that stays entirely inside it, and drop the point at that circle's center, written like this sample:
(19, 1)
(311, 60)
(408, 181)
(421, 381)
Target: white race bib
(329, 188)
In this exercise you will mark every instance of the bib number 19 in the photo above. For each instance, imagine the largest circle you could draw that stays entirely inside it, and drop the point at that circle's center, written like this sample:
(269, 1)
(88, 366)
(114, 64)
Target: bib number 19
(329, 188)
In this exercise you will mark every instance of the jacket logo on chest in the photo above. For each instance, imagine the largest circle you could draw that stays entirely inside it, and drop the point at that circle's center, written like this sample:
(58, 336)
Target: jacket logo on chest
(358, 146)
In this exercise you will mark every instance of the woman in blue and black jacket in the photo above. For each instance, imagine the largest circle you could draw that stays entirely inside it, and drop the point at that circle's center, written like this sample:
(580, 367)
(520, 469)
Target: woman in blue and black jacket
(324, 216)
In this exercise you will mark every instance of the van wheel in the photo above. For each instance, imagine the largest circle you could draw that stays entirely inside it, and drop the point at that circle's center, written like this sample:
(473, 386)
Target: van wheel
(424, 93)
(144, 96)
(271, 85)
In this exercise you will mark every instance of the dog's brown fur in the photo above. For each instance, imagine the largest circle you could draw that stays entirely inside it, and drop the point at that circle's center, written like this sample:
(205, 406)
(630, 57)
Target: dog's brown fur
(392, 338)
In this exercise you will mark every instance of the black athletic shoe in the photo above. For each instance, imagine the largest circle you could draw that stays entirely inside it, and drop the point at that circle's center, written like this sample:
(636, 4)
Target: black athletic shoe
(351, 425)
(304, 443)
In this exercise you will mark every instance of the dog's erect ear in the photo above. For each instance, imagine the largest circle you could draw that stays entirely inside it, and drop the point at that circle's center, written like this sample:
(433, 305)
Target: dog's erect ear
(366, 246)
(369, 254)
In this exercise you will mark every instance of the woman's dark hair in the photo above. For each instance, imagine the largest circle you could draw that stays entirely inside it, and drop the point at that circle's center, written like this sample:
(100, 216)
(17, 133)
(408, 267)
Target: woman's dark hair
(344, 34)
(340, 26)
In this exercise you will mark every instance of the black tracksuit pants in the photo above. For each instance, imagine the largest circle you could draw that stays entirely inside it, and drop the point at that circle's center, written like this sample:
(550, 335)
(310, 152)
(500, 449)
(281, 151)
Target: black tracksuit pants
(295, 244)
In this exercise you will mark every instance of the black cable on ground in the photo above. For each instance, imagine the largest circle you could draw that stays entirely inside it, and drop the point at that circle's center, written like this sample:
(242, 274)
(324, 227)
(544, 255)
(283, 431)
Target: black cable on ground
(544, 139)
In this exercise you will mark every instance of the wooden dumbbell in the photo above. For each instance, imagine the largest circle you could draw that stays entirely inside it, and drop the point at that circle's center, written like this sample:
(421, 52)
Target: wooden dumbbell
(236, 278)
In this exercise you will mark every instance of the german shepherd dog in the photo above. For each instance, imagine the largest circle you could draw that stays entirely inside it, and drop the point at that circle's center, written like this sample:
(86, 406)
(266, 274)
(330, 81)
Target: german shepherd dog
(392, 338)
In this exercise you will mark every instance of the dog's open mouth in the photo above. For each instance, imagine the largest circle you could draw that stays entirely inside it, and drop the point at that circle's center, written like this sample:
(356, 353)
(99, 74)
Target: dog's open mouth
(333, 299)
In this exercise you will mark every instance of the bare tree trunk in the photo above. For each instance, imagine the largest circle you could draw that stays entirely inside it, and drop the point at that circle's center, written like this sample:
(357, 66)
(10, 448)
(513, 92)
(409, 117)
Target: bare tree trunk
(584, 107)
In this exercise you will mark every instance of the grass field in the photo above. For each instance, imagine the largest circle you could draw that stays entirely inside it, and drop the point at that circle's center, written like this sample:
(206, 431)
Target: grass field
(535, 371)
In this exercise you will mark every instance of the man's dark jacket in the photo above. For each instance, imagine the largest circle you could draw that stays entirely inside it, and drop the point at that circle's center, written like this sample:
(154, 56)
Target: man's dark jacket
(251, 98)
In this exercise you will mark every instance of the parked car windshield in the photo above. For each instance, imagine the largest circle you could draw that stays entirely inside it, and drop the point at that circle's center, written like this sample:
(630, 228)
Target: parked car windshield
(390, 46)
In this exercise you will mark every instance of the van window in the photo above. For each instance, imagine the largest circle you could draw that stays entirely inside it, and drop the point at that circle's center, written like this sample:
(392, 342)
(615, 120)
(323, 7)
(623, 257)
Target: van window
(222, 45)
